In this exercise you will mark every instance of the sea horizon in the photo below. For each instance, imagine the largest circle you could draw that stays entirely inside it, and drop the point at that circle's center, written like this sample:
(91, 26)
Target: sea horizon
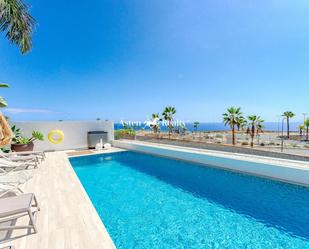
(215, 126)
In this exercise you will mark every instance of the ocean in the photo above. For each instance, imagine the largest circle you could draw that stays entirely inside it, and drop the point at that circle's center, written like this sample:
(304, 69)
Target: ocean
(269, 126)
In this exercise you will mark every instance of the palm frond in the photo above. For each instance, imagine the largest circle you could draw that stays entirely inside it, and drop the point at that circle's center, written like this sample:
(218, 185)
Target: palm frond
(17, 23)
(3, 102)
(288, 114)
(4, 85)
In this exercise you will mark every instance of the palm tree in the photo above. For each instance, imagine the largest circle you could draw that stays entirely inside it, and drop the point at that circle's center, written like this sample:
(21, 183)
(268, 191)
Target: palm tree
(182, 129)
(301, 129)
(3, 102)
(259, 128)
(124, 125)
(229, 118)
(240, 122)
(17, 23)
(288, 115)
(195, 125)
(155, 118)
(306, 124)
(255, 126)
(168, 114)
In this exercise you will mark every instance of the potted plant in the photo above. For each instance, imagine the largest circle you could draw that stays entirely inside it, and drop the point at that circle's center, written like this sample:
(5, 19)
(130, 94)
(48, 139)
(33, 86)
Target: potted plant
(22, 143)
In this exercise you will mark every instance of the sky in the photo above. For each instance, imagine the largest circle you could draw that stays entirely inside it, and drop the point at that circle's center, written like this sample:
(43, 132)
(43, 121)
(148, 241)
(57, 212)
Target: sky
(124, 60)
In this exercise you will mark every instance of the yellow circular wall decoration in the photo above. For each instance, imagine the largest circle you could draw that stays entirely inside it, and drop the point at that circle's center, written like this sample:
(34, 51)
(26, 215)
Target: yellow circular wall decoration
(55, 136)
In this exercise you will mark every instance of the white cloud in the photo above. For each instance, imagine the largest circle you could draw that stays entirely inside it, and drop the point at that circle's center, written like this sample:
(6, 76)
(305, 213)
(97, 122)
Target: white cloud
(25, 110)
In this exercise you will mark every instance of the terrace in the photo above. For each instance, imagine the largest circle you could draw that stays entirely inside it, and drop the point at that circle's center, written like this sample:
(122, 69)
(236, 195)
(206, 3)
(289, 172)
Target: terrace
(68, 219)
(239, 181)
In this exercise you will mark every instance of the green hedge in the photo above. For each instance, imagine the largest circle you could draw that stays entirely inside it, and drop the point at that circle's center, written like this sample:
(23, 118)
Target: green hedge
(124, 133)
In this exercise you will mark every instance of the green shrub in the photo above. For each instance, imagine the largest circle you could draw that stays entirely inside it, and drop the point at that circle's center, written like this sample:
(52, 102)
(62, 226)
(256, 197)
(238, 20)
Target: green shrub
(16, 133)
(23, 140)
(19, 138)
(124, 133)
(37, 135)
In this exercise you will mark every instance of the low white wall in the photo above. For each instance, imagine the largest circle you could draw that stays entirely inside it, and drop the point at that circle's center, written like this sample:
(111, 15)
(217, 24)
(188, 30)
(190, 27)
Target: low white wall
(75, 132)
(293, 174)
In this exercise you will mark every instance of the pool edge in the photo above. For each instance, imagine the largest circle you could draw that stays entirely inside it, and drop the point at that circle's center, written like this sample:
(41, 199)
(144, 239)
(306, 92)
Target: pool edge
(293, 172)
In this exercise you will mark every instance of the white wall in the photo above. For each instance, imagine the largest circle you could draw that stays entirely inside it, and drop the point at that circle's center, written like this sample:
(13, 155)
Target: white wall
(75, 132)
(280, 169)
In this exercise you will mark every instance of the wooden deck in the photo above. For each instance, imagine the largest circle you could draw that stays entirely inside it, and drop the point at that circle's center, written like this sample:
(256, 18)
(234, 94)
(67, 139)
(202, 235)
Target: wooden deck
(67, 219)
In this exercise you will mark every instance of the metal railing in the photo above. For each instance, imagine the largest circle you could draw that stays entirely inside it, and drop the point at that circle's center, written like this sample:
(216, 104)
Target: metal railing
(270, 142)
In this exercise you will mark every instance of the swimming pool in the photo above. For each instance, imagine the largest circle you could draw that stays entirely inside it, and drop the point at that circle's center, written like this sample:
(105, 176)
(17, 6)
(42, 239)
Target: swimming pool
(153, 202)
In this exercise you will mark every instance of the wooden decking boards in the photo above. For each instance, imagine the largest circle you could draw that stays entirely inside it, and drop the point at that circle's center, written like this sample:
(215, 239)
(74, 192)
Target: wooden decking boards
(67, 219)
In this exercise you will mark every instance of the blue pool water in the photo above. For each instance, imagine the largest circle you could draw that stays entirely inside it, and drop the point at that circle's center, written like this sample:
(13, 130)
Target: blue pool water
(152, 202)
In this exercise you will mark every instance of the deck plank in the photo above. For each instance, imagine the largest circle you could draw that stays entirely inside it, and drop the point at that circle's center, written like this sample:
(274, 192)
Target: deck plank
(67, 219)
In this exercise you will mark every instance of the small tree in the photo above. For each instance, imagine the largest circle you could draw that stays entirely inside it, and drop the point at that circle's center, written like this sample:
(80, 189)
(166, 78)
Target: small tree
(183, 129)
(229, 118)
(168, 115)
(195, 125)
(240, 122)
(288, 115)
(155, 118)
(259, 128)
(255, 126)
(301, 129)
(124, 125)
(306, 124)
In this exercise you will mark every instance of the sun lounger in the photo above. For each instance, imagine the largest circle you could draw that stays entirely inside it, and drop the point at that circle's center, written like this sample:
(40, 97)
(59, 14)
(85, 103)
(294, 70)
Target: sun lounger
(16, 176)
(9, 165)
(13, 156)
(39, 154)
(10, 188)
(11, 182)
(12, 208)
(20, 158)
(29, 158)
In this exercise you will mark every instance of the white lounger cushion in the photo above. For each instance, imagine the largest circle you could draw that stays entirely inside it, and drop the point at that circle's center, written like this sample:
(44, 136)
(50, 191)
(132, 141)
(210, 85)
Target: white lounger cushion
(15, 205)
(9, 163)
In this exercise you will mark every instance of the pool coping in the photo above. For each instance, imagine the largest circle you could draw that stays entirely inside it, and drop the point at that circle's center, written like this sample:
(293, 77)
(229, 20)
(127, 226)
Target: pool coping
(94, 152)
(112, 150)
(284, 170)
